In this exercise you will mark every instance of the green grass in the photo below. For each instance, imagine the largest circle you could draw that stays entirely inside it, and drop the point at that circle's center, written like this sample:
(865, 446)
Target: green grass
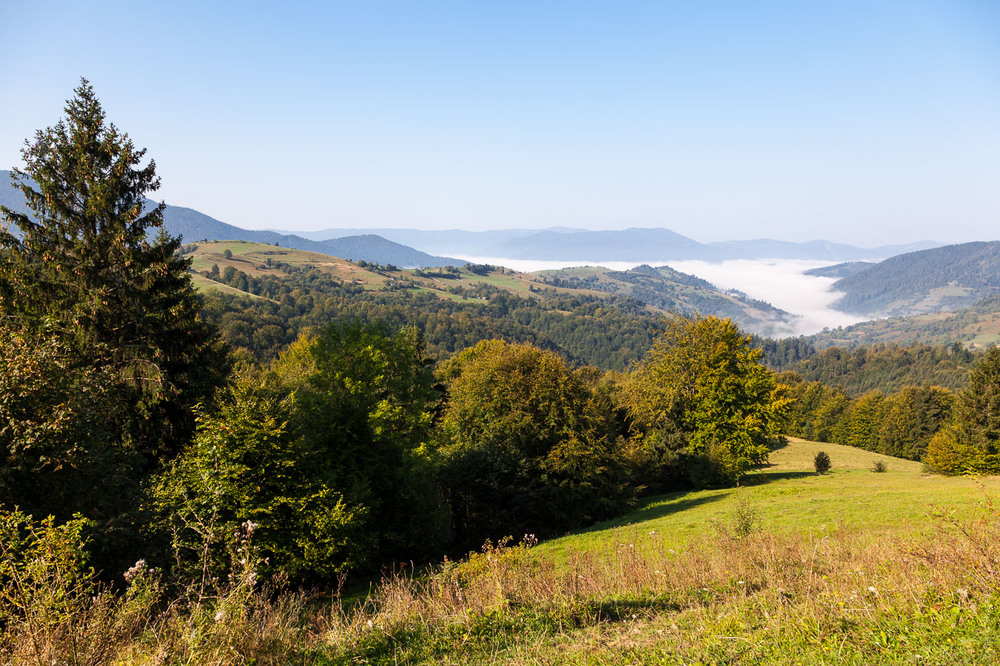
(847, 567)
(792, 499)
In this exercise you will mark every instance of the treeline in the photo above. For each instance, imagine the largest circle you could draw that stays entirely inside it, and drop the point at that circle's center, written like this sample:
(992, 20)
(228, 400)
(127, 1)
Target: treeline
(607, 333)
(882, 367)
(901, 424)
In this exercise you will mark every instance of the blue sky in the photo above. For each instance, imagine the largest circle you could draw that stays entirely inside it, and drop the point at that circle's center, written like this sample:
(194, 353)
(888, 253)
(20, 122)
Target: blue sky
(861, 122)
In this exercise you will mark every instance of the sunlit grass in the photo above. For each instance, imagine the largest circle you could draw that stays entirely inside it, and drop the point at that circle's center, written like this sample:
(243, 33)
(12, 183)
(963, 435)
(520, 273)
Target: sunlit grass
(847, 567)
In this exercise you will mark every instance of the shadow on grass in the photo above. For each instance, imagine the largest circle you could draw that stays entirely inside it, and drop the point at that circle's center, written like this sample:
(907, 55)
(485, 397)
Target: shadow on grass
(657, 507)
(763, 476)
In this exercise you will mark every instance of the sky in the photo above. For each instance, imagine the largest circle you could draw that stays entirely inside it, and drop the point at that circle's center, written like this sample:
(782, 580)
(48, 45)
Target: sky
(852, 121)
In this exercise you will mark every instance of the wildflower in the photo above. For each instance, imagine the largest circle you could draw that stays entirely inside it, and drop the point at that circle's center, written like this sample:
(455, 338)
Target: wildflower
(134, 571)
(873, 590)
(220, 615)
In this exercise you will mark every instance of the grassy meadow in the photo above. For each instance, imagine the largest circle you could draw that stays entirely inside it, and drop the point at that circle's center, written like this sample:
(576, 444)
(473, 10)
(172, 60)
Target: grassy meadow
(849, 567)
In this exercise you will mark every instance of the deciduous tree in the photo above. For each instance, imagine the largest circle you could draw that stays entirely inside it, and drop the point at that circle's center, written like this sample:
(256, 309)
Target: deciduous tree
(703, 383)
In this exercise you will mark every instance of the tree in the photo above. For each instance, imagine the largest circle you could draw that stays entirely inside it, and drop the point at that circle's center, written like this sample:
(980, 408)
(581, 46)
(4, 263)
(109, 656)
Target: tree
(364, 399)
(977, 416)
(82, 268)
(702, 386)
(531, 445)
(246, 465)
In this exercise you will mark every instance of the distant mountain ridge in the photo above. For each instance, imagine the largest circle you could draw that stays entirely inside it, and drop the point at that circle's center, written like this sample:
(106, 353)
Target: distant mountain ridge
(414, 248)
(642, 245)
(192, 225)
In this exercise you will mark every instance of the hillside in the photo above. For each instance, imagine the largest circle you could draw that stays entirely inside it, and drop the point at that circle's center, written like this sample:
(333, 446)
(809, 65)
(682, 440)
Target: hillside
(643, 292)
(976, 326)
(669, 290)
(940, 279)
(840, 270)
(192, 225)
(848, 567)
(887, 368)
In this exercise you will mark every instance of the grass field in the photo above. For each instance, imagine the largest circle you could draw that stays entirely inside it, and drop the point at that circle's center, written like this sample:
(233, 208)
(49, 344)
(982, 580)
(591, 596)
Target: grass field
(849, 567)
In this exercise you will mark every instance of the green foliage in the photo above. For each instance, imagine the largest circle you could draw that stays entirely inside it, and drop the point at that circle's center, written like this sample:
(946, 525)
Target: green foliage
(84, 269)
(884, 367)
(327, 455)
(365, 400)
(879, 467)
(900, 425)
(104, 356)
(60, 453)
(948, 454)
(530, 444)
(973, 444)
(822, 462)
(243, 465)
(605, 332)
(703, 387)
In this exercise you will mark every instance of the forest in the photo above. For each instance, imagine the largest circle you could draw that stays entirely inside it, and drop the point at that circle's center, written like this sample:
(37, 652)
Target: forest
(340, 430)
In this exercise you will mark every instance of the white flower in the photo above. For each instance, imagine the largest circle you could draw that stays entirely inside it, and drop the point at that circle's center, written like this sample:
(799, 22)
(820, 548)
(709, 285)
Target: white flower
(134, 571)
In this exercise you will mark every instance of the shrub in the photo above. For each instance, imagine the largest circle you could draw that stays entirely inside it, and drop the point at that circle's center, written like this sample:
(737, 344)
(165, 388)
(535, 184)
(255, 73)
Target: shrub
(822, 462)
(879, 467)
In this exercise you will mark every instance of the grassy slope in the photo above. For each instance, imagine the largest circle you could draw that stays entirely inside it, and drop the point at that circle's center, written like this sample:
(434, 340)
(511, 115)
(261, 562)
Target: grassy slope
(851, 567)
(792, 499)
(251, 258)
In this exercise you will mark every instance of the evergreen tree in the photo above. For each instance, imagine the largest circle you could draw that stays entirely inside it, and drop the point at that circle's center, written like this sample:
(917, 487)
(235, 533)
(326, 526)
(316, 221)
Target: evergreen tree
(83, 268)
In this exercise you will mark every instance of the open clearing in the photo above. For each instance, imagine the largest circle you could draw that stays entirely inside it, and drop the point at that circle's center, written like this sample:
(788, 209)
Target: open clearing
(848, 567)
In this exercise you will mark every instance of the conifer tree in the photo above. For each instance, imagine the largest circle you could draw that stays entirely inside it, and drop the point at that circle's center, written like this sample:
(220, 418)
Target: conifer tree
(82, 266)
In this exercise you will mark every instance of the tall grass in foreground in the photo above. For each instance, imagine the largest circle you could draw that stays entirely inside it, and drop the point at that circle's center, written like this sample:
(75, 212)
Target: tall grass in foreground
(835, 596)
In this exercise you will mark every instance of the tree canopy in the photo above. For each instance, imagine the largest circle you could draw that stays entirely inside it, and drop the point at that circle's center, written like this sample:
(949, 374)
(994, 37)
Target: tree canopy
(702, 388)
(83, 267)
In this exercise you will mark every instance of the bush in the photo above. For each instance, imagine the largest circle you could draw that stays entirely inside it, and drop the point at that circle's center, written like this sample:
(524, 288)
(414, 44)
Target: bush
(822, 462)
(879, 467)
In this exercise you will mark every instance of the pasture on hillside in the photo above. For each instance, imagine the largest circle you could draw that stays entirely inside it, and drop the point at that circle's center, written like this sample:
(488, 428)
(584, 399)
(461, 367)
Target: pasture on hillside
(849, 567)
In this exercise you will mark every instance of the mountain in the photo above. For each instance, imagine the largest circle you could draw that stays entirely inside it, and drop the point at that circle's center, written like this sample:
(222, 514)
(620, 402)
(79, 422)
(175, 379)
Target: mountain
(669, 290)
(459, 241)
(840, 270)
(192, 225)
(659, 245)
(975, 327)
(941, 279)
(651, 245)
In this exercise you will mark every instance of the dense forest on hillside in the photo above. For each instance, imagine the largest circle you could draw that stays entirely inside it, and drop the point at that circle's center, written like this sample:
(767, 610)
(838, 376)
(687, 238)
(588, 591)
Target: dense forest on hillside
(607, 333)
(886, 368)
(669, 290)
(944, 278)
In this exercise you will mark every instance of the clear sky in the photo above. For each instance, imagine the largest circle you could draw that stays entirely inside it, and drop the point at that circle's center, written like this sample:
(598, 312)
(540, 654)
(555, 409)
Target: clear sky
(868, 122)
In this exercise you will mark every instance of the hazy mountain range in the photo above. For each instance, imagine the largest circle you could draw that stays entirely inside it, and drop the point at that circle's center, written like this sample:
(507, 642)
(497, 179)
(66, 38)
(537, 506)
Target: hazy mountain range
(413, 247)
(649, 245)
(192, 225)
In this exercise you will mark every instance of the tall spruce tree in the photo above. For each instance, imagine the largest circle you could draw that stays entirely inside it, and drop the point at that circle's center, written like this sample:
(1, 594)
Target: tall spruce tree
(83, 268)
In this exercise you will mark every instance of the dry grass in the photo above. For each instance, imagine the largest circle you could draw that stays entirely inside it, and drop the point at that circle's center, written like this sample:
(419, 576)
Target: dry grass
(729, 592)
